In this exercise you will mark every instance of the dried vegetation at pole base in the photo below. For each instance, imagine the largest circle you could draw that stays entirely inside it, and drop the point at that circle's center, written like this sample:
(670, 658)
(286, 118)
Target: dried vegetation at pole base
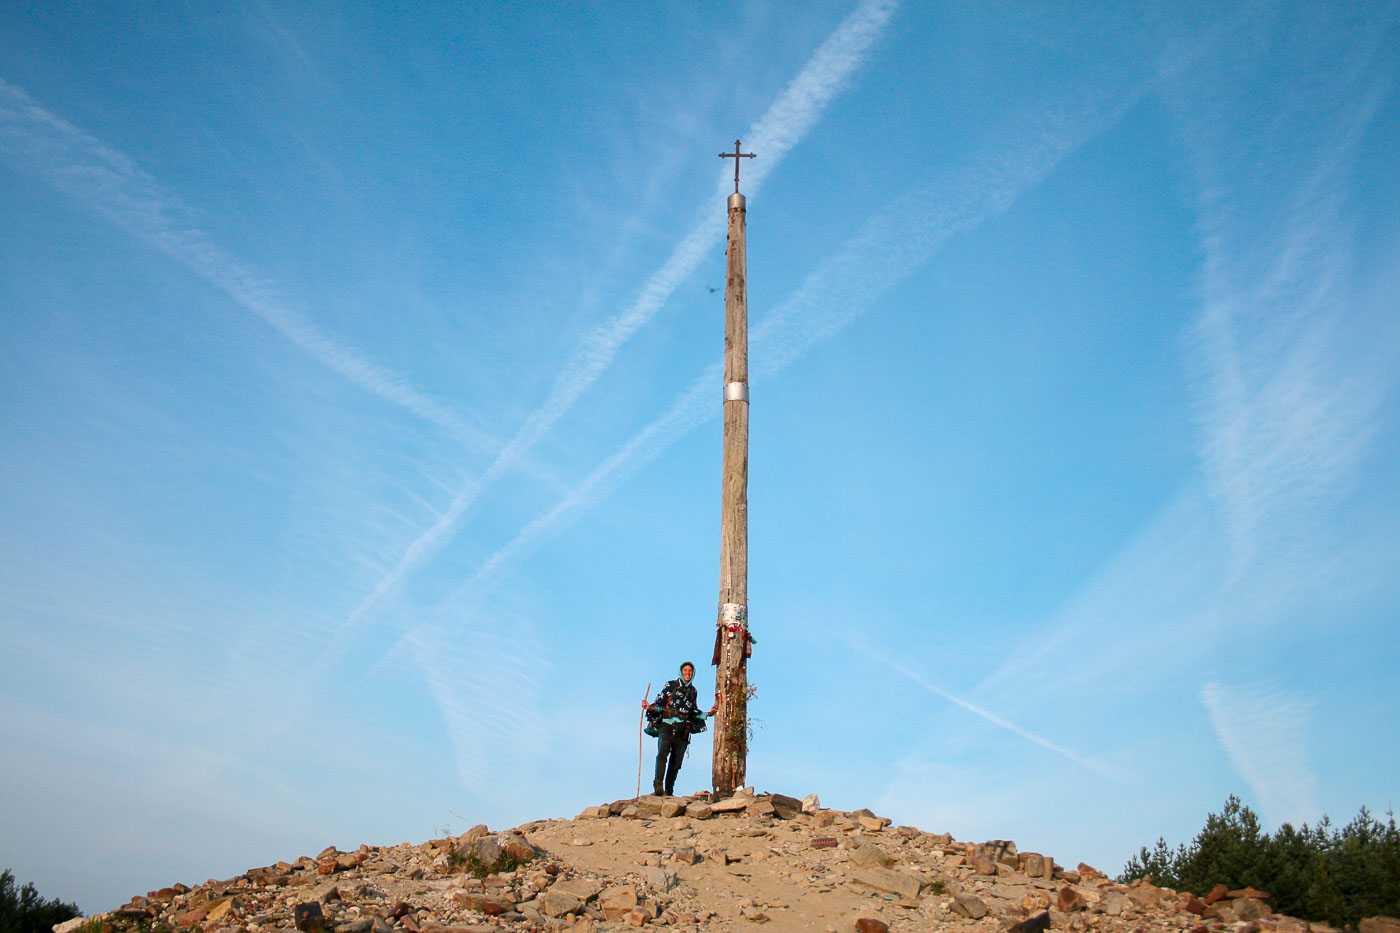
(747, 862)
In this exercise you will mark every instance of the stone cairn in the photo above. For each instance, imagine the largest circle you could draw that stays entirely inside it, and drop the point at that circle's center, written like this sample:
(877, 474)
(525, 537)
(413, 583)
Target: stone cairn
(692, 864)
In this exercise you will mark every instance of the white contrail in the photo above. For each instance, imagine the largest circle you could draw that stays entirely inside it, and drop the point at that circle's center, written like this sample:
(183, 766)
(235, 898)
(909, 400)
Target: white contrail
(784, 124)
(109, 183)
(891, 245)
(693, 407)
(805, 98)
(988, 715)
(1287, 407)
(1262, 729)
(486, 682)
(1282, 427)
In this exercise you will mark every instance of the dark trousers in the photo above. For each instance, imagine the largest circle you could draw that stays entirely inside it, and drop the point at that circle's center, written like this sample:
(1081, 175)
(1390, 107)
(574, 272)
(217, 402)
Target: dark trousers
(670, 751)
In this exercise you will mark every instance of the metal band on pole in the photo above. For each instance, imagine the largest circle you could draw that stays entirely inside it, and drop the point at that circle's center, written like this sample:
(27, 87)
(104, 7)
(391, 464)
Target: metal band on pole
(736, 392)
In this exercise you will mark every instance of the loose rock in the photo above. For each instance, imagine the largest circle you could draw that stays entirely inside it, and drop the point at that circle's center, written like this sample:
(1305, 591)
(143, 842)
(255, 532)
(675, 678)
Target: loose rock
(969, 906)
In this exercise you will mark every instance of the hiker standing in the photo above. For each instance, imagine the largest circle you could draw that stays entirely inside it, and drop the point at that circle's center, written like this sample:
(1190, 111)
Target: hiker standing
(675, 716)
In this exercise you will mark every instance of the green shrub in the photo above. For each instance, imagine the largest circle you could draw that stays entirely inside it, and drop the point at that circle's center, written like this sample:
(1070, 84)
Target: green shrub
(24, 911)
(472, 864)
(1318, 873)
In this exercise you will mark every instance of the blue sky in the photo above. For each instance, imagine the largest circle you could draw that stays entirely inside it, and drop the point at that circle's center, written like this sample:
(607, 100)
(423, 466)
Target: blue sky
(360, 457)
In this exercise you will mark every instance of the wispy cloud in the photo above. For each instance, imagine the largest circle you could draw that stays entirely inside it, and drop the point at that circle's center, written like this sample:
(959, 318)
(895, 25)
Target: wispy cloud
(485, 682)
(784, 124)
(803, 101)
(981, 712)
(1264, 731)
(1282, 427)
(893, 243)
(109, 183)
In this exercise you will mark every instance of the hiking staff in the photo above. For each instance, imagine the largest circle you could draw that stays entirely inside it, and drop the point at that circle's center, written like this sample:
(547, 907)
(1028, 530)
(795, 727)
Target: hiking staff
(674, 718)
(639, 738)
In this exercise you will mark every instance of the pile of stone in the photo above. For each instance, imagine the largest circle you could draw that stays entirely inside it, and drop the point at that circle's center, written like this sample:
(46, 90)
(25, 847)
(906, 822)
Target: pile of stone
(693, 864)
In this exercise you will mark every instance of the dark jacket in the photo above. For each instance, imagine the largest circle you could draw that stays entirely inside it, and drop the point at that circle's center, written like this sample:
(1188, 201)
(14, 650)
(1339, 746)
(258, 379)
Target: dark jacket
(677, 701)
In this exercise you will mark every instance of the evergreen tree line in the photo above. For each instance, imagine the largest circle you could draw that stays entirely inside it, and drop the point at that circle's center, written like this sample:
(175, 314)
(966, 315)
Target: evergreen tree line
(24, 911)
(1321, 873)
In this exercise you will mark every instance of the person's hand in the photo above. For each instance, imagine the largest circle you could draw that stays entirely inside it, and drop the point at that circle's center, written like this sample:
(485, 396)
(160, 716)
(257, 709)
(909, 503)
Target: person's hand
(712, 710)
(646, 705)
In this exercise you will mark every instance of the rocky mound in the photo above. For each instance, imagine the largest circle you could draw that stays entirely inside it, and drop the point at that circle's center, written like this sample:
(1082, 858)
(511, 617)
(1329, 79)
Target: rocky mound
(689, 864)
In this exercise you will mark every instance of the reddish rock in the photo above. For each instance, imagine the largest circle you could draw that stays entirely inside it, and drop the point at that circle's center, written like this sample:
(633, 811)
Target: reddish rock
(1249, 892)
(824, 842)
(871, 925)
(192, 917)
(785, 807)
(730, 804)
(1068, 900)
(699, 811)
(518, 849)
(1036, 924)
(489, 904)
(308, 917)
(1089, 871)
(983, 865)
(556, 903)
(617, 903)
(971, 907)
(1035, 864)
(1034, 902)
(223, 909)
(1217, 893)
(899, 883)
(1195, 905)
(327, 866)
(400, 909)
(871, 856)
(581, 888)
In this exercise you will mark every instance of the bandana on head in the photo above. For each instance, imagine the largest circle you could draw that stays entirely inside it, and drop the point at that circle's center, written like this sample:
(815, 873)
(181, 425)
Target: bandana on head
(692, 671)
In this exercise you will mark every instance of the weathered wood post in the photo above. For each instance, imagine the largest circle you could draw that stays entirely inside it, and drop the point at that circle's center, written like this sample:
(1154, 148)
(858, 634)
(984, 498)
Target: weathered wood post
(732, 636)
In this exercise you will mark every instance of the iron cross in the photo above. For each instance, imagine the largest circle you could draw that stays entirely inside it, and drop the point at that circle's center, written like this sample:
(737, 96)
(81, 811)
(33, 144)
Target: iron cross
(736, 155)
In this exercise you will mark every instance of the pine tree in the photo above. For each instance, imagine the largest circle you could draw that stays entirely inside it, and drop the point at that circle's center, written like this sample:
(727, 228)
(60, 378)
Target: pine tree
(24, 911)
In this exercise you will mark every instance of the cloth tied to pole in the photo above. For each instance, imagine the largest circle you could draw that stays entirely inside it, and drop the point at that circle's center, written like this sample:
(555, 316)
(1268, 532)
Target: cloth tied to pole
(733, 623)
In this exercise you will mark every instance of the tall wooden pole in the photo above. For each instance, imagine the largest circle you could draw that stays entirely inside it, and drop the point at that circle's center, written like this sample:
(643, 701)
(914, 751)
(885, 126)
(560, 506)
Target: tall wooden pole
(732, 638)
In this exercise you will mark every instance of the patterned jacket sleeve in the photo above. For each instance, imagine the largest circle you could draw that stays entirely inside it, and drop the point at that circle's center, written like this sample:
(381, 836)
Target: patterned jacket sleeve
(664, 696)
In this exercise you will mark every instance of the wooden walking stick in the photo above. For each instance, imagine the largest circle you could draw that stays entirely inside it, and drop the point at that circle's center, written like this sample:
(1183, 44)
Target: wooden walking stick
(639, 738)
